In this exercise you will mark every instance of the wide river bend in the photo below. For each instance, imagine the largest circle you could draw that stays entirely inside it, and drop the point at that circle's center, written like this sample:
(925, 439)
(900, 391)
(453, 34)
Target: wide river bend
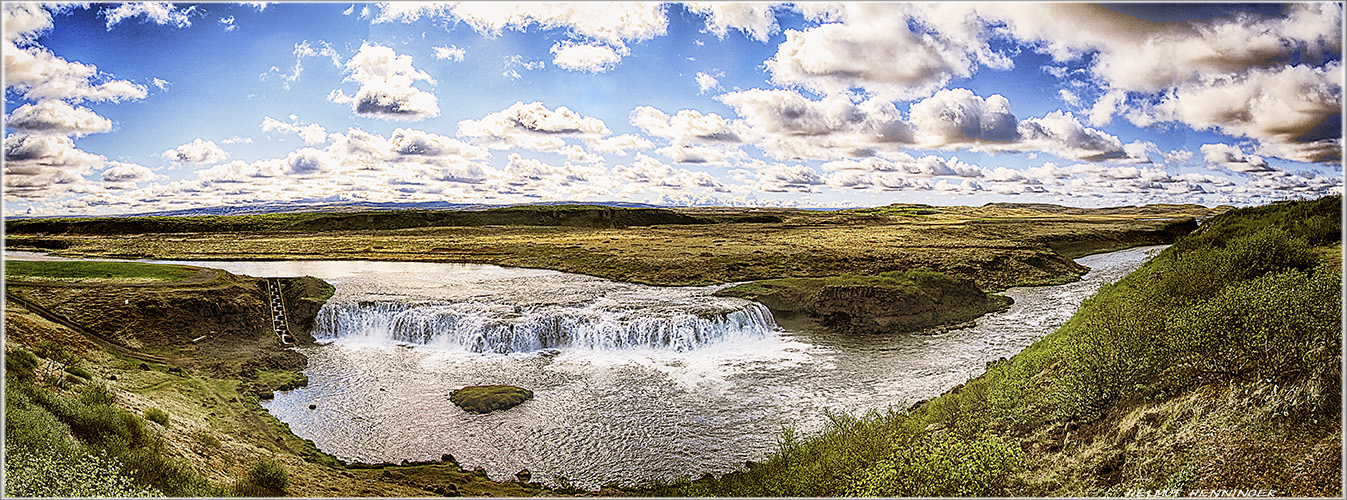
(632, 383)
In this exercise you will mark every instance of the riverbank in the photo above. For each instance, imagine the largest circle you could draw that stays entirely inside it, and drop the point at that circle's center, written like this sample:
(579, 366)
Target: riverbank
(1214, 367)
(704, 408)
(303, 473)
(1012, 247)
(162, 370)
(994, 247)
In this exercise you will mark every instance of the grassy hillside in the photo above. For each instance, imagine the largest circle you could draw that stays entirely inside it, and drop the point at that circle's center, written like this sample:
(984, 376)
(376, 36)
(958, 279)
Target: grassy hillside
(1214, 366)
(117, 384)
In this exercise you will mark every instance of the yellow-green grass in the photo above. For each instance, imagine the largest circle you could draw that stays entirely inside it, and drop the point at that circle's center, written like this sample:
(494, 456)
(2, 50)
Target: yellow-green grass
(996, 247)
(1214, 366)
(93, 271)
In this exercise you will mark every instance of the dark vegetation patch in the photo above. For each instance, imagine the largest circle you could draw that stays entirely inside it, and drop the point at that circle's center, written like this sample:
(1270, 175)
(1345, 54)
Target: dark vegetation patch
(76, 441)
(489, 398)
(593, 216)
(265, 478)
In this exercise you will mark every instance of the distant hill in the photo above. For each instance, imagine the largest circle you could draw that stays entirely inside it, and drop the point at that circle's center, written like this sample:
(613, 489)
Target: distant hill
(355, 206)
(1158, 208)
(599, 216)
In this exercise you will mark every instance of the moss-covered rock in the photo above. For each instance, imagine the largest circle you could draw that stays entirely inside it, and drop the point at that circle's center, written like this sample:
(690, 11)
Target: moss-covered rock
(489, 398)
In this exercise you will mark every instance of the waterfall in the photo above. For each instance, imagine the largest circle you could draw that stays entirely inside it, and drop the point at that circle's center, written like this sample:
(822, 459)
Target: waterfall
(505, 328)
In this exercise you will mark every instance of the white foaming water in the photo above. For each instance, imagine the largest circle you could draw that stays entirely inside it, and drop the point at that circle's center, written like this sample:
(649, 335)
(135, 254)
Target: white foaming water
(505, 328)
(645, 383)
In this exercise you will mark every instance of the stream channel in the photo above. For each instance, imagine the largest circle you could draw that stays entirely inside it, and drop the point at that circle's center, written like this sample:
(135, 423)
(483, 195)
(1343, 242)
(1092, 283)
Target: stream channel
(632, 383)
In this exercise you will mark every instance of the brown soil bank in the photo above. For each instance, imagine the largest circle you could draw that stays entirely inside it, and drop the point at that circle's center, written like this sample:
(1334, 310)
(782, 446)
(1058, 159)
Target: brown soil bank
(216, 323)
(893, 302)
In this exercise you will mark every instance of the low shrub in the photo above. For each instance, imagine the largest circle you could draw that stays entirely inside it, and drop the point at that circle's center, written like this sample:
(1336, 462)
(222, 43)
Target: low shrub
(40, 420)
(205, 438)
(53, 351)
(157, 416)
(79, 371)
(20, 364)
(941, 465)
(266, 478)
(1256, 307)
(149, 465)
(30, 426)
(97, 394)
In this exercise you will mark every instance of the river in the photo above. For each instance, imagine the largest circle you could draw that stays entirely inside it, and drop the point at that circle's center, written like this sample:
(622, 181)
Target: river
(632, 383)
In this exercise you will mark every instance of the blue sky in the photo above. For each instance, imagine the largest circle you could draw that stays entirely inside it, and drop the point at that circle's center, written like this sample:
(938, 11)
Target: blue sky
(125, 108)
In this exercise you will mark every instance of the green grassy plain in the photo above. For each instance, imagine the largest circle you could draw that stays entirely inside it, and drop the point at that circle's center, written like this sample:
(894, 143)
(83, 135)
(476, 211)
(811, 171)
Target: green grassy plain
(995, 246)
(90, 271)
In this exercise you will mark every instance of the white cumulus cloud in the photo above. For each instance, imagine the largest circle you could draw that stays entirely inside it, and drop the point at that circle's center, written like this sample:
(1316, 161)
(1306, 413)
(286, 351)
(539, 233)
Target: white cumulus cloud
(58, 118)
(312, 133)
(41, 166)
(197, 152)
(450, 53)
(706, 82)
(386, 81)
(532, 126)
(594, 58)
(755, 19)
(164, 13)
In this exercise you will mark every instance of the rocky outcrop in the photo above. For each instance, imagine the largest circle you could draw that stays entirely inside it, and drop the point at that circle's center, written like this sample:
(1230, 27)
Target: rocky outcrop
(883, 304)
(489, 398)
(875, 309)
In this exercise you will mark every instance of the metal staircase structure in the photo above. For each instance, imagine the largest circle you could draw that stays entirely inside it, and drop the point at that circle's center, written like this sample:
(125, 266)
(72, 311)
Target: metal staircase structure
(278, 320)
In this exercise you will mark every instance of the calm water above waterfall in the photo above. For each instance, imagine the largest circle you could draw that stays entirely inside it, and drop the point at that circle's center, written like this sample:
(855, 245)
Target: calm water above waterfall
(631, 383)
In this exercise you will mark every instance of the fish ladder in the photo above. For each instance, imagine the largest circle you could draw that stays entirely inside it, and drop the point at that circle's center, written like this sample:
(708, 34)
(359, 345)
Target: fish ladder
(277, 303)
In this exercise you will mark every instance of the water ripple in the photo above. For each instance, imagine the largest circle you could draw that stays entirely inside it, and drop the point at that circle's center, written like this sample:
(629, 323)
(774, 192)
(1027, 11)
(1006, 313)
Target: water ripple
(603, 414)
